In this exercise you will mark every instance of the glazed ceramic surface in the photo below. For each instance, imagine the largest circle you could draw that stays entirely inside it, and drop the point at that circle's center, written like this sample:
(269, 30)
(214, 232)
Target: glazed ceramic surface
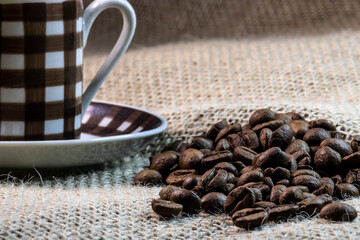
(109, 132)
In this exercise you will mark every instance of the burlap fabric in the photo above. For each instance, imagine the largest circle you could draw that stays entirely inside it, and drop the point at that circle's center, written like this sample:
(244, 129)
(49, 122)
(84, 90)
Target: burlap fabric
(196, 62)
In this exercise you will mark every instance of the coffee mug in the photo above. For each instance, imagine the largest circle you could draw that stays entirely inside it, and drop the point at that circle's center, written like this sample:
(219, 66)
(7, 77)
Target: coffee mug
(41, 80)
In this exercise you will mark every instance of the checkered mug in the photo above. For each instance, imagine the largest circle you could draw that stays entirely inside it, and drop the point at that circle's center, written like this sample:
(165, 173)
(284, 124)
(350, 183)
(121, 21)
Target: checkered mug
(41, 42)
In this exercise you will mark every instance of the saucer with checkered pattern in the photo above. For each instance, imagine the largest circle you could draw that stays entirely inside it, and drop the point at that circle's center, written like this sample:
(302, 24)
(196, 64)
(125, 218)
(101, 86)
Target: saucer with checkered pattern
(109, 132)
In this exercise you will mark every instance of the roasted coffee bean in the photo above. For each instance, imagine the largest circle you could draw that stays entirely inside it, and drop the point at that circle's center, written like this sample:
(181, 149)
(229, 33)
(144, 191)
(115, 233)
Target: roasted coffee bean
(338, 212)
(272, 125)
(213, 202)
(353, 176)
(352, 160)
(284, 117)
(223, 144)
(247, 126)
(212, 159)
(250, 218)
(345, 190)
(191, 181)
(166, 209)
(355, 143)
(248, 169)
(165, 162)
(322, 123)
(215, 129)
(326, 180)
(307, 180)
(315, 136)
(273, 157)
(264, 188)
(327, 187)
(261, 116)
(299, 128)
(231, 178)
(251, 176)
(284, 182)
(229, 129)
(264, 205)
(281, 137)
(230, 168)
(205, 151)
(258, 194)
(327, 159)
(295, 116)
(338, 145)
(276, 191)
(177, 177)
(213, 180)
(305, 172)
(336, 179)
(313, 150)
(244, 154)
(291, 195)
(190, 159)
(316, 204)
(148, 177)
(282, 213)
(307, 167)
(239, 165)
(235, 140)
(178, 146)
(239, 198)
(268, 172)
(302, 157)
(250, 139)
(280, 173)
(166, 192)
(228, 188)
(303, 188)
(264, 137)
(202, 143)
(268, 181)
(188, 199)
(305, 200)
(308, 195)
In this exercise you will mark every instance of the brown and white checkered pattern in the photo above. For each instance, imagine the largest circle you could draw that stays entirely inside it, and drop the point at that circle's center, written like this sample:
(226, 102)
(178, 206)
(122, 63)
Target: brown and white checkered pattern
(41, 70)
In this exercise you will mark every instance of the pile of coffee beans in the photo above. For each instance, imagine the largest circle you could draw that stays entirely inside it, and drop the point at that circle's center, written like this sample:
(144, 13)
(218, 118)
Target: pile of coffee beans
(276, 167)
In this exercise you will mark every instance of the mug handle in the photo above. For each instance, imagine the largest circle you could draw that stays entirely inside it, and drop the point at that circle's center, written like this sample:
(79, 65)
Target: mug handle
(123, 42)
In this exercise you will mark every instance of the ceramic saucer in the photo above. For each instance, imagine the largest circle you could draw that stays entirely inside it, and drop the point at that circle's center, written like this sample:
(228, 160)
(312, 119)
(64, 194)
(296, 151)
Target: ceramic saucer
(109, 132)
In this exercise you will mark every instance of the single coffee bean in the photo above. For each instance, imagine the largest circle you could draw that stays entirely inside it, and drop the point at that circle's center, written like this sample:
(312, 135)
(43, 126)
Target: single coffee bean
(291, 195)
(281, 137)
(307, 180)
(261, 116)
(283, 212)
(213, 202)
(316, 204)
(213, 180)
(345, 190)
(322, 123)
(284, 182)
(272, 125)
(326, 180)
(302, 157)
(228, 188)
(166, 192)
(178, 176)
(166, 209)
(239, 165)
(191, 181)
(268, 181)
(305, 172)
(352, 160)
(355, 143)
(338, 212)
(353, 176)
(250, 139)
(248, 169)
(264, 189)
(178, 146)
(190, 159)
(264, 205)
(235, 140)
(295, 116)
(264, 137)
(303, 188)
(338, 145)
(223, 144)
(164, 162)
(304, 201)
(188, 199)
(280, 173)
(215, 129)
(250, 219)
(202, 143)
(231, 178)
(230, 168)
(325, 189)
(299, 128)
(239, 198)
(244, 154)
(251, 176)
(229, 129)
(268, 172)
(148, 177)
(212, 159)
(327, 159)
(315, 136)
(273, 157)
(284, 117)
(276, 191)
(308, 195)
(336, 179)
(258, 194)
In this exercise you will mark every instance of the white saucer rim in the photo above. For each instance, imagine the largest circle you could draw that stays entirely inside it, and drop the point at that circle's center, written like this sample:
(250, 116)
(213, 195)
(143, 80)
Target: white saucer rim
(123, 137)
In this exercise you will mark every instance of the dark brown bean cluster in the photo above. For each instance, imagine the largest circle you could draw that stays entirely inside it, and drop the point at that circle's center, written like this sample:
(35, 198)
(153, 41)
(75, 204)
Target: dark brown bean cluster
(275, 167)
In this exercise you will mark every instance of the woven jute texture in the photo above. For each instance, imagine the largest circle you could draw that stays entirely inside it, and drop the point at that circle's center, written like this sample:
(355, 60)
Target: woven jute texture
(196, 62)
